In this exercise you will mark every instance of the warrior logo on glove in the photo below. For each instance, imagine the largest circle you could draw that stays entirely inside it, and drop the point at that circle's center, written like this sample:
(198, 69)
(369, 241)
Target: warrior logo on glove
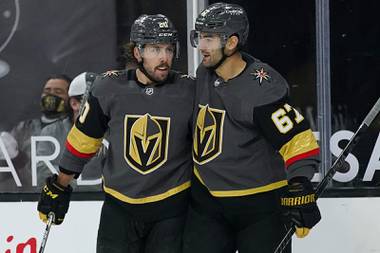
(301, 206)
(303, 200)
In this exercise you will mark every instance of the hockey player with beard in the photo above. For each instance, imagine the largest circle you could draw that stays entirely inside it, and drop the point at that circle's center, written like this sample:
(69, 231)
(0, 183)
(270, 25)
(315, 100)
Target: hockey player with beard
(254, 153)
(147, 113)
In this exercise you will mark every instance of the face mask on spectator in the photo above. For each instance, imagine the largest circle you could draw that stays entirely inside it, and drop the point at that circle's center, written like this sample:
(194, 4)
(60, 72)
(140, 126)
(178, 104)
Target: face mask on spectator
(52, 105)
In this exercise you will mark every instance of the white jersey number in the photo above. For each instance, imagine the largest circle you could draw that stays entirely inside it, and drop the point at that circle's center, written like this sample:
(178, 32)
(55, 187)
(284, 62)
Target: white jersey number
(282, 121)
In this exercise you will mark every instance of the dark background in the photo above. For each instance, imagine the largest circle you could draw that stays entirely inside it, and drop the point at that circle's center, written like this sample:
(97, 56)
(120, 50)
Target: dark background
(67, 37)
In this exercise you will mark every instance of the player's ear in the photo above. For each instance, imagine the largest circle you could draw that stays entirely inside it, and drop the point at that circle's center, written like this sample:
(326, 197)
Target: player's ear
(137, 54)
(232, 43)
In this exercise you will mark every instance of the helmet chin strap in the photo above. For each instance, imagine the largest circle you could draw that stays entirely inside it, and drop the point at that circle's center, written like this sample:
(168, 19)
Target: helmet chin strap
(221, 61)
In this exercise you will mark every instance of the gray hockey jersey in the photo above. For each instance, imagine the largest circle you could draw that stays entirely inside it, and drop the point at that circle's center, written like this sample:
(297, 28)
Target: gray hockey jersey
(149, 131)
(248, 139)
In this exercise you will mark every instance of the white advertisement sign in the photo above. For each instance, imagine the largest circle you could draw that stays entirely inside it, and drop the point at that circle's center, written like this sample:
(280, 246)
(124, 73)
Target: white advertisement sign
(348, 225)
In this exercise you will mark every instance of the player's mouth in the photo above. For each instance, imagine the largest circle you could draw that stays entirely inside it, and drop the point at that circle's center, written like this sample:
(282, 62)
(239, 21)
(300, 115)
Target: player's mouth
(206, 56)
(163, 68)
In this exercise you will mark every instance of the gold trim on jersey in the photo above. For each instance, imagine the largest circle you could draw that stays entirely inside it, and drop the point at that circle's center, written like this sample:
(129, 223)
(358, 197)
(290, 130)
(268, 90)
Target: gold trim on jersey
(146, 141)
(238, 193)
(82, 142)
(299, 144)
(208, 134)
(149, 199)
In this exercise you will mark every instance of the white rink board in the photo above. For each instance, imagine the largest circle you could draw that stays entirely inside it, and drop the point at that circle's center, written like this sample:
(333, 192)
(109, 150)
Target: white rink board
(77, 234)
(349, 225)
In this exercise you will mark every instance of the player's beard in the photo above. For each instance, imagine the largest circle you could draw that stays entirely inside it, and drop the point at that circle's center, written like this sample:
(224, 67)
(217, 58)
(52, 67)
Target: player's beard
(211, 58)
(159, 73)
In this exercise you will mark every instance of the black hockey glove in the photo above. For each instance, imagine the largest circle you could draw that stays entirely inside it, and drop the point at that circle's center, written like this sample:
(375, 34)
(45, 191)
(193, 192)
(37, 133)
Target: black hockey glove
(300, 204)
(54, 198)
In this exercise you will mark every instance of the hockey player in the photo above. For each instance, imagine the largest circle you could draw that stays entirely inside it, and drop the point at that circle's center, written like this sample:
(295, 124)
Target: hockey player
(254, 153)
(148, 115)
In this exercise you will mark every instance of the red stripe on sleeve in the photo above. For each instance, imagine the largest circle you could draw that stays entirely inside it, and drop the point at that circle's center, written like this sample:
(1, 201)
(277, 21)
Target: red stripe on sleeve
(301, 156)
(75, 152)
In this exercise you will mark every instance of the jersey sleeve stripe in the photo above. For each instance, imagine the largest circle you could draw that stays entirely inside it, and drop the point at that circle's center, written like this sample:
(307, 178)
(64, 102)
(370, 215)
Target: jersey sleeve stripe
(299, 146)
(292, 160)
(76, 153)
(82, 143)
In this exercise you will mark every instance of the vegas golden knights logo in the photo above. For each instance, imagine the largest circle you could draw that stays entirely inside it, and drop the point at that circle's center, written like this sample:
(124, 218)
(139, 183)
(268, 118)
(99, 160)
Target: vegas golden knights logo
(208, 134)
(146, 142)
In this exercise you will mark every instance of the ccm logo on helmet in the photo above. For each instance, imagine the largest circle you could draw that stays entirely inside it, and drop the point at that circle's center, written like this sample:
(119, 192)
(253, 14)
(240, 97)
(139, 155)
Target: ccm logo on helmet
(165, 34)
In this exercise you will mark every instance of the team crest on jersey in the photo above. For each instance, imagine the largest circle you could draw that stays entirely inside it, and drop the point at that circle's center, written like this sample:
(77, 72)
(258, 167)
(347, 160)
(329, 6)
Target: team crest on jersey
(208, 134)
(146, 141)
(261, 75)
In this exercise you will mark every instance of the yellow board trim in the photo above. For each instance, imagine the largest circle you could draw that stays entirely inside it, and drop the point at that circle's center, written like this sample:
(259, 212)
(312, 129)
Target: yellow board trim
(238, 193)
(83, 143)
(299, 144)
(149, 199)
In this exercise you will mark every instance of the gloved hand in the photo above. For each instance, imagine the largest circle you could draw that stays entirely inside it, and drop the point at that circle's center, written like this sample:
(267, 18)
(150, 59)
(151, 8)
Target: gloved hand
(300, 204)
(54, 198)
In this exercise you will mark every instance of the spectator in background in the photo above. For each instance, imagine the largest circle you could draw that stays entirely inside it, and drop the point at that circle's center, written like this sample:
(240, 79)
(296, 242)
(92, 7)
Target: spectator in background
(54, 106)
(59, 131)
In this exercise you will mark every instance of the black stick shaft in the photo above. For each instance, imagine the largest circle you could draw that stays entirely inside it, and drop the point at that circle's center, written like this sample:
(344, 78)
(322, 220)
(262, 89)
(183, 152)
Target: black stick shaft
(46, 233)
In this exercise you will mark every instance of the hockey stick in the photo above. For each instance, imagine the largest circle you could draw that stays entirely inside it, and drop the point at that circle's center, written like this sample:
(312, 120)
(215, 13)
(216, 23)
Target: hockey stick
(46, 233)
(90, 78)
(339, 165)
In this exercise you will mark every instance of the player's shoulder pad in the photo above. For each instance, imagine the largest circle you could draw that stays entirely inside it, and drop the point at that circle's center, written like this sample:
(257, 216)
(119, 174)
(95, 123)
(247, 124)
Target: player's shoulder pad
(267, 83)
(178, 77)
(105, 80)
(182, 83)
(187, 77)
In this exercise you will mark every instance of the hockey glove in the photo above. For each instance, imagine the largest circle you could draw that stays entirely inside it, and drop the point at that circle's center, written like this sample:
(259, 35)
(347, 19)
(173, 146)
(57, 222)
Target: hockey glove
(54, 198)
(300, 204)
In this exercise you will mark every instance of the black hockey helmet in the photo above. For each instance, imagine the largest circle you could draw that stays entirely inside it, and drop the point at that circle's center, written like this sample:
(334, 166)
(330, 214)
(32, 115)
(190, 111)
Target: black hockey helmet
(154, 29)
(224, 19)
